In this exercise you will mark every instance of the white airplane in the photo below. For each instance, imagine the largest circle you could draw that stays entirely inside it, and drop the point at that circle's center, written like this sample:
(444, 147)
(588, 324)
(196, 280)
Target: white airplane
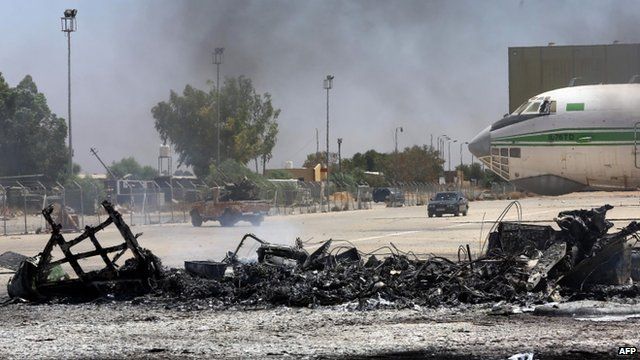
(567, 139)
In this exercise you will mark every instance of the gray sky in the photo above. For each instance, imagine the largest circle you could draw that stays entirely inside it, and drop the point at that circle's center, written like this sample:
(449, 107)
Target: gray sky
(433, 67)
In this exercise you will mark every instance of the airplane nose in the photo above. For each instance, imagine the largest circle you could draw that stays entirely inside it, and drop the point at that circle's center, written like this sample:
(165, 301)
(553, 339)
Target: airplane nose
(480, 146)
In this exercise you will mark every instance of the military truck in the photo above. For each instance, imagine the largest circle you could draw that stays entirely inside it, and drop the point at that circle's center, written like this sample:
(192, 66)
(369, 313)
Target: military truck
(232, 203)
(228, 213)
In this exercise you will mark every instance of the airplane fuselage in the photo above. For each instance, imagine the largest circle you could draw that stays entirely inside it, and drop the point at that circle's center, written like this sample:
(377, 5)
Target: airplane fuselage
(568, 139)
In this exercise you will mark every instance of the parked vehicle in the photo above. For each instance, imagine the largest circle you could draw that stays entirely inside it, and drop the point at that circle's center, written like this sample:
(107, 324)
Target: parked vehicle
(380, 194)
(392, 196)
(487, 195)
(450, 202)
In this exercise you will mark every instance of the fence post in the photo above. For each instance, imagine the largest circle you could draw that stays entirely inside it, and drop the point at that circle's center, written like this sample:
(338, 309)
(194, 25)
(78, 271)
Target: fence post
(24, 200)
(4, 208)
(81, 201)
(171, 190)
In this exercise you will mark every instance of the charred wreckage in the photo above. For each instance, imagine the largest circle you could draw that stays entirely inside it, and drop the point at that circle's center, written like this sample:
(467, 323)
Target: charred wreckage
(523, 264)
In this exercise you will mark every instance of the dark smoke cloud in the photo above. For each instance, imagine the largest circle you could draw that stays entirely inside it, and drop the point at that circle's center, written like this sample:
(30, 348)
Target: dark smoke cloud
(433, 67)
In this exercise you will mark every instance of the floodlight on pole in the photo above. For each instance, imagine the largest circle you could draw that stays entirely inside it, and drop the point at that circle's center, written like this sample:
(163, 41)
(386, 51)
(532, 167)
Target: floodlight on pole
(449, 140)
(68, 24)
(328, 84)
(217, 60)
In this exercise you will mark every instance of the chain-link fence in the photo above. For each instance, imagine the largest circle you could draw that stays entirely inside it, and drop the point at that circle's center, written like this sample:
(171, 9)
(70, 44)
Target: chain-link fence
(158, 202)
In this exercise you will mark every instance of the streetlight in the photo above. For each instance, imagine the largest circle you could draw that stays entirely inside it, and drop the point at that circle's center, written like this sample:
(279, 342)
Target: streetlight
(328, 84)
(339, 155)
(68, 25)
(462, 143)
(397, 164)
(217, 60)
(442, 138)
(401, 130)
(449, 146)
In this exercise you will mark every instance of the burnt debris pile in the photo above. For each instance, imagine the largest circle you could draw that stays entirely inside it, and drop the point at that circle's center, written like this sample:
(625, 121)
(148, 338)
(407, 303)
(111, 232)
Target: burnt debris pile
(396, 279)
(61, 270)
(523, 264)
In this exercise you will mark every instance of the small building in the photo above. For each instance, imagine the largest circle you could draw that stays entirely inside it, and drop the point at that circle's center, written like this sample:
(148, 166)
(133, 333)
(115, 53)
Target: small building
(317, 173)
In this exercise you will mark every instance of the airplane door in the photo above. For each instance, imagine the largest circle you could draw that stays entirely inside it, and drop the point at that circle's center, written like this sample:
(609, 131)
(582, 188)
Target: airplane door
(636, 142)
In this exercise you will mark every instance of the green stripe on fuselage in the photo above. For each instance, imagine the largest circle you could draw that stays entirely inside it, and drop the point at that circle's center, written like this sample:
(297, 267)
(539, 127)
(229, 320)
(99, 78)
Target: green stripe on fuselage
(576, 137)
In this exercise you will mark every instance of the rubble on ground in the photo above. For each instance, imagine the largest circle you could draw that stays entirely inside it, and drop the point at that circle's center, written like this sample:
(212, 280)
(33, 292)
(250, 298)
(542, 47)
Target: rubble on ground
(524, 264)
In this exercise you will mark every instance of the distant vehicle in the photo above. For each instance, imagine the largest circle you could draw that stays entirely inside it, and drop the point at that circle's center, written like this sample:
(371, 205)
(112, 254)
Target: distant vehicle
(450, 202)
(380, 194)
(393, 196)
(487, 195)
(228, 213)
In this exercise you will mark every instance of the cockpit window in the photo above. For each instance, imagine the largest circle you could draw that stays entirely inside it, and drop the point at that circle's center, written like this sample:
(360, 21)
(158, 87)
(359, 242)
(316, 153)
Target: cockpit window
(533, 107)
(520, 108)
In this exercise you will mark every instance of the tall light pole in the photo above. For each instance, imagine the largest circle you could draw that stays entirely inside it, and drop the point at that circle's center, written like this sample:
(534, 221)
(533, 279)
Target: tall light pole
(401, 130)
(328, 84)
(340, 155)
(396, 161)
(443, 137)
(449, 146)
(68, 25)
(217, 60)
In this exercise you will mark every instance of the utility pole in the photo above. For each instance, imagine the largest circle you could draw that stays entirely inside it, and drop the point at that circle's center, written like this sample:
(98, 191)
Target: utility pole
(398, 128)
(339, 155)
(317, 146)
(328, 84)
(68, 24)
(217, 60)
(449, 145)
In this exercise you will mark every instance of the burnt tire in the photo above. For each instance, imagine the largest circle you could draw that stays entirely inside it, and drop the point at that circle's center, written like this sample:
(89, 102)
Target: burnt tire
(196, 219)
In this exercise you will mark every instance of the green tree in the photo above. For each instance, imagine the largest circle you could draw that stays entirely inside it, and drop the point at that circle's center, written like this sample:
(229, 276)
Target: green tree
(417, 164)
(248, 124)
(32, 138)
(129, 166)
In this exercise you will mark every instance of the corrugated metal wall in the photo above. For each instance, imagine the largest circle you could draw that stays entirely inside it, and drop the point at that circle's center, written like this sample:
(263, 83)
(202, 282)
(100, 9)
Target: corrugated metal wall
(533, 70)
